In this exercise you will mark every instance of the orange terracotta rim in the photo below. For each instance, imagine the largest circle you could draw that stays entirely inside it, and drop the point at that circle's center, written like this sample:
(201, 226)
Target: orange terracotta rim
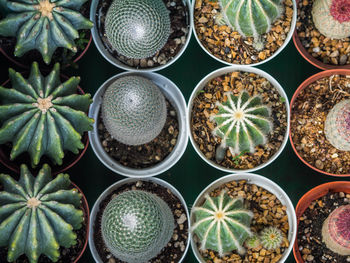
(309, 197)
(302, 86)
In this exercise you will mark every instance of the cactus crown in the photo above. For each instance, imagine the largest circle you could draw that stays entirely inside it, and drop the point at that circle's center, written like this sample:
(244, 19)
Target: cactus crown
(336, 230)
(137, 225)
(137, 28)
(271, 238)
(222, 224)
(340, 10)
(337, 126)
(38, 214)
(44, 25)
(134, 110)
(242, 122)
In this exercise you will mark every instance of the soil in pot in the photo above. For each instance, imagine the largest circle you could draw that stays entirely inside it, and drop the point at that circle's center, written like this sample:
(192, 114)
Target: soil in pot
(309, 112)
(268, 211)
(176, 246)
(204, 106)
(309, 235)
(228, 45)
(179, 18)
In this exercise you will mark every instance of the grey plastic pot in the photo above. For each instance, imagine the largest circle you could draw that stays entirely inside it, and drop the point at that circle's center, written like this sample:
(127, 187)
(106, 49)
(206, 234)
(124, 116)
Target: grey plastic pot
(263, 182)
(175, 97)
(114, 61)
(115, 186)
(221, 72)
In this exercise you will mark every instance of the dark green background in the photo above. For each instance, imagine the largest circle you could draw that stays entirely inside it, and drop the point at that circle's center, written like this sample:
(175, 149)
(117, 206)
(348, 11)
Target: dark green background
(191, 174)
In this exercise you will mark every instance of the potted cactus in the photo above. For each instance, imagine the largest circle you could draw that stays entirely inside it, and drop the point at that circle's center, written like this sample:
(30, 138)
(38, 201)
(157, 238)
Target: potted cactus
(243, 32)
(323, 33)
(232, 221)
(142, 34)
(139, 220)
(42, 119)
(323, 224)
(60, 31)
(42, 218)
(140, 128)
(234, 128)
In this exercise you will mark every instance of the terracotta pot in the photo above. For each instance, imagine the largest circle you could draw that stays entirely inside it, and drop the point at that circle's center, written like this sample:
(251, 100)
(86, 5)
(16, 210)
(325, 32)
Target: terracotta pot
(309, 197)
(302, 86)
(306, 55)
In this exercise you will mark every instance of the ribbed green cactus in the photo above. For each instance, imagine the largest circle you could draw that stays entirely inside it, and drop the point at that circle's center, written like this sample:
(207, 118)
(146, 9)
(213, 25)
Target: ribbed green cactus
(242, 122)
(42, 116)
(251, 18)
(38, 214)
(137, 28)
(133, 110)
(337, 126)
(136, 226)
(271, 237)
(44, 25)
(222, 224)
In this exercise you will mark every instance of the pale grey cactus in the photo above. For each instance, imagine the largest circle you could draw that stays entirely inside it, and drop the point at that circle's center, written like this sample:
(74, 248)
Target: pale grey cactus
(134, 110)
(137, 28)
(136, 226)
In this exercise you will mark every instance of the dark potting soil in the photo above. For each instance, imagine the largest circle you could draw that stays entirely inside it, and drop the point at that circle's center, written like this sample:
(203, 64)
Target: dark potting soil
(176, 246)
(145, 155)
(62, 55)
(309, 235)
(180, 27)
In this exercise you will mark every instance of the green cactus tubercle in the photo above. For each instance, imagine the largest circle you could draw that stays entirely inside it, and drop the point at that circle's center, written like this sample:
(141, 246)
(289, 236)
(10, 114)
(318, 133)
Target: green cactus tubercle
(42, 116)
(222, 224)
(43, 25)
(38, 214)
(136, 226)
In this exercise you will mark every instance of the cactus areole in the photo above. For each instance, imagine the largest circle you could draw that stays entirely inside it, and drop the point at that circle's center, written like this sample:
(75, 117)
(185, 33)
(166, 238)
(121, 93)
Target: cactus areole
(336, 231)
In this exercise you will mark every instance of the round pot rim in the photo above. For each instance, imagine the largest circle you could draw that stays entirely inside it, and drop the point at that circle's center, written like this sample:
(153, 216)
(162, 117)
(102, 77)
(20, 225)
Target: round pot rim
(320, 190)
(118, 184)
(115, 62)
(261, 181)
(301, 87)
(169, 90)
(278, 51)
(222, 71)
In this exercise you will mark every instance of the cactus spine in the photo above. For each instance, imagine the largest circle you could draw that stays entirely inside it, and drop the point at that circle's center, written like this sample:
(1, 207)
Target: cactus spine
(271, 238)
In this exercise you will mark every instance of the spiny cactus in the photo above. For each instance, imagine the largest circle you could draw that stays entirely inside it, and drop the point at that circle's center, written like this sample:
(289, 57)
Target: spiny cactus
(133, 110)
(44, 25)
(332, 18)
(337, 126)
(242, 122)
(222, 224)
(38, 214)
(336, 230)
(253, 242)
(251, 18)
(271, 238)
(42, 116)
(137, 28)
(136, 226)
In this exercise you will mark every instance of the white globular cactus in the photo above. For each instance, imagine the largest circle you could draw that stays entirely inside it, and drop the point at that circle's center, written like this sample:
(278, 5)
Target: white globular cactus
(136, 226)
(133, 110)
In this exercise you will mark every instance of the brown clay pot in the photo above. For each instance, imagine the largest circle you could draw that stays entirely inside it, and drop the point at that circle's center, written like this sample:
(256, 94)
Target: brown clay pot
(309, 197)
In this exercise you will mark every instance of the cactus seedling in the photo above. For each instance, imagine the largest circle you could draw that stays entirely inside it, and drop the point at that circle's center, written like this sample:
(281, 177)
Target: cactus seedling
(242, 122)
(137, 28)
(336, 230)
(136, 225)
(133, 110)
(271, 238)
(332, 18)
(222, 224)
(253, 242)
(38, 214)
(337, 126)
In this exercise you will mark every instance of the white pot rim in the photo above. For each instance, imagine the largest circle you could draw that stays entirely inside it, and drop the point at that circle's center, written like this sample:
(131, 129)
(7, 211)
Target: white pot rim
(268, 185)
(279, 50)
(115, 186)
(223, 71)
